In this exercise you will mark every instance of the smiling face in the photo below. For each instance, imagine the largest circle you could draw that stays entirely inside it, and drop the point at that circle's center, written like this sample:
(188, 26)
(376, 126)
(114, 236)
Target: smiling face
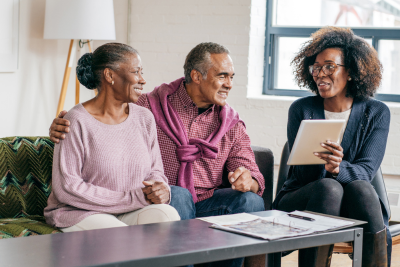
(128, 79)
(335, 84)
(215, 88)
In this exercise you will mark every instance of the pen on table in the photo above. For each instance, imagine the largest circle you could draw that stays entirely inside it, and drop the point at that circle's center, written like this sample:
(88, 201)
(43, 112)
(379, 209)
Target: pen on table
(301, 217)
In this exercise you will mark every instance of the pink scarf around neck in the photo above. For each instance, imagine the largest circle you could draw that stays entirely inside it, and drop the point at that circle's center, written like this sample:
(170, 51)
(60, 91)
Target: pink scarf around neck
(188, 150)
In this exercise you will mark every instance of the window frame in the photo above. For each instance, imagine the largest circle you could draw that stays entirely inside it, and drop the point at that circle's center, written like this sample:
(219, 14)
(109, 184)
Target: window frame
(270, 52)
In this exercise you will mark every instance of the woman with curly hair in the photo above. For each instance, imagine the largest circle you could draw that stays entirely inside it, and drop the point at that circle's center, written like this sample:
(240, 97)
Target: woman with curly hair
(344, 72)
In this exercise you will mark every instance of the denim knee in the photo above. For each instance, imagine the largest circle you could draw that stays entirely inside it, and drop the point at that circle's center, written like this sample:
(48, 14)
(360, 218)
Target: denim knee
(182, 201)
(180, 194)
(249, 202)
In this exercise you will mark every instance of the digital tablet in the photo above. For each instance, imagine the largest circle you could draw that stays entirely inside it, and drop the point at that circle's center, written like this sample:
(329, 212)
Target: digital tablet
(309, 138)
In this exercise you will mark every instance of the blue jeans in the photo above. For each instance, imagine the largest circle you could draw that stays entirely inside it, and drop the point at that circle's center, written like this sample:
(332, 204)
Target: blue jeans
(223, 201)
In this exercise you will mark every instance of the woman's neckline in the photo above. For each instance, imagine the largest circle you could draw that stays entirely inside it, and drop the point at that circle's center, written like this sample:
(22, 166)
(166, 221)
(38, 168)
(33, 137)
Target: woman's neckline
(106, 124)
(346, 111)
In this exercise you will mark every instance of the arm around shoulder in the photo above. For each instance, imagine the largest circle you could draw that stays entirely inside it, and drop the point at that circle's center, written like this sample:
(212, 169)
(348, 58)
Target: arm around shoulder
(59, 127)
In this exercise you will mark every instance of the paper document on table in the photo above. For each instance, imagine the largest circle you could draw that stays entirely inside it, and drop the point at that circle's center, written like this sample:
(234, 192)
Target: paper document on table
(276, 227)
(231, 218)
(321, 223)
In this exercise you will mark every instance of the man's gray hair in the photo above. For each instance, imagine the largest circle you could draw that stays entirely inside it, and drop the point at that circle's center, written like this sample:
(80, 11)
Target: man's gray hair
(199, 59)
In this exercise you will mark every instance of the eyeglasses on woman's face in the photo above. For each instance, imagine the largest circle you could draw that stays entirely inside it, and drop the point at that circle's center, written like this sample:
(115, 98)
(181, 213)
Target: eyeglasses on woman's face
(327, 69)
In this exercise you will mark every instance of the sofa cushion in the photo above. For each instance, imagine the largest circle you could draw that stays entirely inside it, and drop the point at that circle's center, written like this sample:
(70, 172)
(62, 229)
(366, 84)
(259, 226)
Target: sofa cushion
(25, 175)
(28, 226)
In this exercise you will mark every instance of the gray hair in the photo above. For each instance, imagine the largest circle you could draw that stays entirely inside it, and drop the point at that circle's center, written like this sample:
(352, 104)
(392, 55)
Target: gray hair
(199, 59)
(90, 67)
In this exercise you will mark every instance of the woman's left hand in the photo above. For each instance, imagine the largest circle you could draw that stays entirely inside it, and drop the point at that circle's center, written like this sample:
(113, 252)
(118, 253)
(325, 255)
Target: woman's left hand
(332, 161)
(156, 192)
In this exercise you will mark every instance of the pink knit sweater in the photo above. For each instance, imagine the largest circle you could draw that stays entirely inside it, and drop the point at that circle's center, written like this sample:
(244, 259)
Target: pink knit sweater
(99, 168)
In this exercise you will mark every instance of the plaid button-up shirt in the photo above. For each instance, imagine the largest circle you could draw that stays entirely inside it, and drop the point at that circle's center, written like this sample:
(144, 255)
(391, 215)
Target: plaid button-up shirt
(233, 150)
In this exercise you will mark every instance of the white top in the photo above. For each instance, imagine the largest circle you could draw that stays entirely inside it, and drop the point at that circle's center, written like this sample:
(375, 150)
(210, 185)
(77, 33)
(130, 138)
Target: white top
(338, 116)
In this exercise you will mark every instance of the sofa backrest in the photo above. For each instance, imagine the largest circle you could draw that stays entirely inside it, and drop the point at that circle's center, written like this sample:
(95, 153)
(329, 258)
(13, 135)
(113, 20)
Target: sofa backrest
(26, 172)
(25, 175)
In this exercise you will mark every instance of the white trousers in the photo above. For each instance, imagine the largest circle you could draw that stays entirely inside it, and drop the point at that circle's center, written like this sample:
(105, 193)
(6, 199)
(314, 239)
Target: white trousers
(151, 214)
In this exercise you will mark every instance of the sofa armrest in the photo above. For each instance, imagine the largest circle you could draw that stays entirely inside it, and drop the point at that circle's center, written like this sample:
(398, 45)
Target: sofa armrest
(265, 161)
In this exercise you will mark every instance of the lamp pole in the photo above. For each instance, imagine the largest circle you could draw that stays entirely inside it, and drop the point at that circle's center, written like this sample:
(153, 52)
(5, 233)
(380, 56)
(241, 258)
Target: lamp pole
(67, 72)
(92, 19)
(71, 55)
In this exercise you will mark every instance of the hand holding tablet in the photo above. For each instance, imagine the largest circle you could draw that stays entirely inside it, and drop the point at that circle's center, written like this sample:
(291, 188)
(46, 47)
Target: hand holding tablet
(333, 159)
(313, 133)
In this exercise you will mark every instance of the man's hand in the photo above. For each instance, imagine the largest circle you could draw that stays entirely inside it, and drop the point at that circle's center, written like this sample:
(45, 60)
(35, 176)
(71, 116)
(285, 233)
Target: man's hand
(156, 192)
(59, 127)
(332, 161)
(242, 181)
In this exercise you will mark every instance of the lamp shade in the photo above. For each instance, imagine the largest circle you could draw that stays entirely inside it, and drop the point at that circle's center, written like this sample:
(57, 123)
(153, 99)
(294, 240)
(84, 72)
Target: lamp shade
(79, 19)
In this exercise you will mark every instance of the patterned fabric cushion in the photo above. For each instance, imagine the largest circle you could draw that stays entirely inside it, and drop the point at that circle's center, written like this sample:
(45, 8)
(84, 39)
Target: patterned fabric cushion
(28, 226)
(25, 185)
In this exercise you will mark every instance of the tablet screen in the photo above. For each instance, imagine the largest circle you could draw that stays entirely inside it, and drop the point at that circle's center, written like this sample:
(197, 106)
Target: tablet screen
(309, 138)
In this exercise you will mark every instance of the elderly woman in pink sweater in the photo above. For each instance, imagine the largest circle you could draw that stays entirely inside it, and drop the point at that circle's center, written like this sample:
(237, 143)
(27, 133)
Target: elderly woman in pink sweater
(108, 171)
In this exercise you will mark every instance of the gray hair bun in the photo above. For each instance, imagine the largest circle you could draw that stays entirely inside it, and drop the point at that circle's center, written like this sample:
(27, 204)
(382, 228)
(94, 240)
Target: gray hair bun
(84, 71)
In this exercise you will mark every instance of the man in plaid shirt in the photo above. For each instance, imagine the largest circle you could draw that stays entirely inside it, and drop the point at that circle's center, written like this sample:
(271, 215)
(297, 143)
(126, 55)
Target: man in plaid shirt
(197, 101)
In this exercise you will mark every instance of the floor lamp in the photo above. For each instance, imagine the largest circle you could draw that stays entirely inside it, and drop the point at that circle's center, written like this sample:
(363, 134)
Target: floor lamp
(78, 20)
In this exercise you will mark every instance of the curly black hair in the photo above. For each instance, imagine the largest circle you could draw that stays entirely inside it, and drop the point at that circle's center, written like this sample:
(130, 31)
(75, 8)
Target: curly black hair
(359, 57)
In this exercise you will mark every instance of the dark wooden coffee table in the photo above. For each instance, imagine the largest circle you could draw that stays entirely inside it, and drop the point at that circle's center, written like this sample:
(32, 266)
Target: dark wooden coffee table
(163, 244)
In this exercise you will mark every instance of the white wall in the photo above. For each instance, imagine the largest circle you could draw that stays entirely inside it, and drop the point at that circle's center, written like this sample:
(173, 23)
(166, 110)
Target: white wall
(163, 32)
(29, 96)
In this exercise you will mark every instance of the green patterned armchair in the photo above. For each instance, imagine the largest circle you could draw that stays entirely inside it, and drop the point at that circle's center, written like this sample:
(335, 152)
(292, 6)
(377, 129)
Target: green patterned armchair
(25, 185)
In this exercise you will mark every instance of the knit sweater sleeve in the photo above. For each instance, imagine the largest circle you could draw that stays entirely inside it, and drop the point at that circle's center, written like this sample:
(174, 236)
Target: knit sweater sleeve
(70, 188)
(304, 174)
(157, 169)
(369, 158)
